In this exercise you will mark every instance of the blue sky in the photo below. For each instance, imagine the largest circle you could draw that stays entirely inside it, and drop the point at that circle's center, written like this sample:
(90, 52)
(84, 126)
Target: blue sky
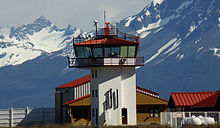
(79, 13)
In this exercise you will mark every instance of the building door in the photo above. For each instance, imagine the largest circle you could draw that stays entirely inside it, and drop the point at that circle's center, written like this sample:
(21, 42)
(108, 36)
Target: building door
(96, 117)
(124, 115)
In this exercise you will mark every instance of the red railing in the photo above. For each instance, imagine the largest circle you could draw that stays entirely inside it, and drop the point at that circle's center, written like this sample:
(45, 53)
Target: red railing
(113, 33)
(118, 61)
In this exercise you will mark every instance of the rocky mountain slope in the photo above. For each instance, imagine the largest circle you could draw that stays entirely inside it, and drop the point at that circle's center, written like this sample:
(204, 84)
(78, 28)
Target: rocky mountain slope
(179, 40)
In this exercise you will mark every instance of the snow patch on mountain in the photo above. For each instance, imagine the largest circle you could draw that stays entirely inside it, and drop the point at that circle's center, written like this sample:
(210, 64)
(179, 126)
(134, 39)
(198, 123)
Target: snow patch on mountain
(159, 23)
(216, 51)
(48, 42)
(144, 34)
(129, 19)
(191, 29)
(180, 57)
(184, 5)
(158, 30)
(161, 50)
(219, 22)
(147, 13)
(155, 2)
(175, 45)
(16, 55)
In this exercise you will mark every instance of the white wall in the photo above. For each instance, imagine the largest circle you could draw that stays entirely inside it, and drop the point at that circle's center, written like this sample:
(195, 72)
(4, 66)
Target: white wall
(121, 78)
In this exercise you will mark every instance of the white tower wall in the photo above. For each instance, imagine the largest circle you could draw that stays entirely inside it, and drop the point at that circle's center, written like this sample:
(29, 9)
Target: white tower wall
(110, 81)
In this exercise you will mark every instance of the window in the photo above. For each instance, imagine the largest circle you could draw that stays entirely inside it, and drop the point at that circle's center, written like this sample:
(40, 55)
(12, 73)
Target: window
(107, 52)
(87, 52)
(110, 100)
(156, 114)
(95, 73)
(116, 104)
(151, 113)
(80, 52)
(97, 52)
(124, 51)
(93, 113)
(115, 51)
(92, 93)
(83, 52)
(92, 73)
(96, 93)
(131, 51)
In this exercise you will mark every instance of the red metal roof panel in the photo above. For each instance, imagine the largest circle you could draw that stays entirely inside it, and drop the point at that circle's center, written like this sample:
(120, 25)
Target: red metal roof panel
(186, 99)
(76, 83)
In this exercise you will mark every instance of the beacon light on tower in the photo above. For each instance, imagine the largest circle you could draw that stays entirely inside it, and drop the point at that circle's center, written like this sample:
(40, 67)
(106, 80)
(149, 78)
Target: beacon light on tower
(111, 57)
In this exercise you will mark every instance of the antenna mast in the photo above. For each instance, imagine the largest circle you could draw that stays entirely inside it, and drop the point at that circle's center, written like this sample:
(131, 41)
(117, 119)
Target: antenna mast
(104, 18)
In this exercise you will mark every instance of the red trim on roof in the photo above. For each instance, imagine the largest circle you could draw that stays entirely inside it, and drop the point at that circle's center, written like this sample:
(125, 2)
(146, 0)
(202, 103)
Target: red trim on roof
(107, 41)
(76, 83)
(72, 101)
(195, 99)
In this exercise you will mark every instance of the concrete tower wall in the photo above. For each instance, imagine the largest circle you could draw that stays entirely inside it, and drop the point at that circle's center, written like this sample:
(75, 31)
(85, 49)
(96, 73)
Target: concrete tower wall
(116, 88)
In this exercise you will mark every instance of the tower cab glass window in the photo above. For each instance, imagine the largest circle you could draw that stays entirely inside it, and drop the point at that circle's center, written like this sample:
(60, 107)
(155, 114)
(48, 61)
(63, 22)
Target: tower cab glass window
(99, 52)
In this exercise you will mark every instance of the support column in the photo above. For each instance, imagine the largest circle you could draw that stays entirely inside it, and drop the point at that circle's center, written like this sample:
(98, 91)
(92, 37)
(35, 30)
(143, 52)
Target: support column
(11, 117)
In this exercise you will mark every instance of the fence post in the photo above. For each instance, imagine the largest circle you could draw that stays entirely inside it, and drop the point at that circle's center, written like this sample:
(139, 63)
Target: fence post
(11, 117)
(205, 114)
(26, 115)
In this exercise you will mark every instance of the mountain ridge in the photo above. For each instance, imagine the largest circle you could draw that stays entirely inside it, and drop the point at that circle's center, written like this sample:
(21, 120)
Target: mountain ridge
(179, 40)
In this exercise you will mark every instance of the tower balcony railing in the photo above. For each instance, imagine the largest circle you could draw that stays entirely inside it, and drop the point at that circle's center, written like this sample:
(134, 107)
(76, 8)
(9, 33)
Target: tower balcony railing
(118, 61)
(113, 33)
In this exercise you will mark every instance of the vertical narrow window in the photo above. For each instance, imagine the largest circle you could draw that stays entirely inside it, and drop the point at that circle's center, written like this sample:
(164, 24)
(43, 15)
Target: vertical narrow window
(97, 52)
(74, 93)
(124, 51)
(86, 84)
(107, 52)
(96, 93)
(116, 106)
(151, 113)
(92, 73)
(96, 116)
(115, 51)
(131, 51)
(110, 100)
(77, 93)
(156, 114)
(89, 88)
(93, 113)
(95, 73)
(92, 93)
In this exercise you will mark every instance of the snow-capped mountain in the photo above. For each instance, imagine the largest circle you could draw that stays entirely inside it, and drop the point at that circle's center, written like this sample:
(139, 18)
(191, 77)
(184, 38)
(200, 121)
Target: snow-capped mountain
(27, 42)
(180, 41)
(33, 62)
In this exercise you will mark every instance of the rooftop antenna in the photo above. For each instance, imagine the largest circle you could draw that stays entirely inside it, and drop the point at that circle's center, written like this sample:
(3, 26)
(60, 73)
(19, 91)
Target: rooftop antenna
(104, 18)
(96, 26)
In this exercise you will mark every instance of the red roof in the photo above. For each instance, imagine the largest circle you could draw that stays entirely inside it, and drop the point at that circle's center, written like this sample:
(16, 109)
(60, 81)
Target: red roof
(106, 41)
(194, 99)
(76, 83)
